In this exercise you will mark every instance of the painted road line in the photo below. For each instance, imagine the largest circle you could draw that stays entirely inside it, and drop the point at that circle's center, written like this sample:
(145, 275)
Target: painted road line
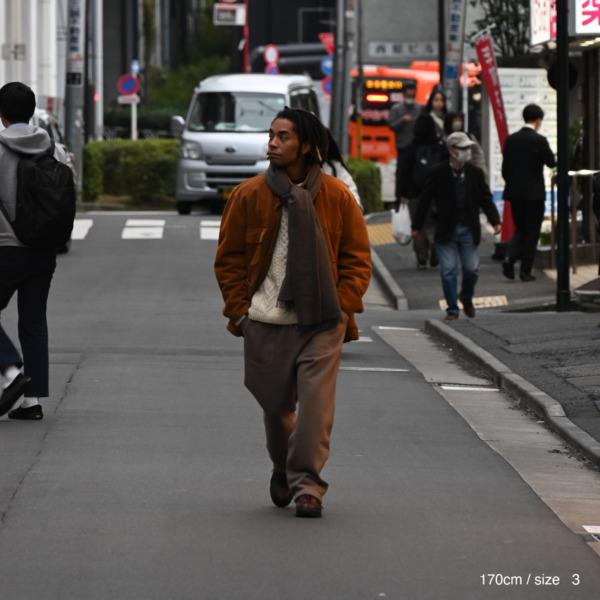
(457, 387)
(145, 223)
(209, 230)
(81, 228)
(374, 369)
(143, 229)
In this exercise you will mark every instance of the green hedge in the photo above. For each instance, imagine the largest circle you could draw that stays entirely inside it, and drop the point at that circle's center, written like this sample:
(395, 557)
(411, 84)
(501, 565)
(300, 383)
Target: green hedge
(145, 170)
(367, 177)
(147, 118)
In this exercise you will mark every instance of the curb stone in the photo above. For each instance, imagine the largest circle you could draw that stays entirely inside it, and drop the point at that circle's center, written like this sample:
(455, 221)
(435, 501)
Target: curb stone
(526, 394)
(391, 288)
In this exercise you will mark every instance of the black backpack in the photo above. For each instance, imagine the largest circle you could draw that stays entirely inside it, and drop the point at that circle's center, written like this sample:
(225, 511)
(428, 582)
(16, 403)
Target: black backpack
(426, 156)
(45, 204)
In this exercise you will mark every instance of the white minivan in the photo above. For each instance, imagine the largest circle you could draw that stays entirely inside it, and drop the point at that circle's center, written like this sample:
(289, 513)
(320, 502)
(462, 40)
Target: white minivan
(224, 137)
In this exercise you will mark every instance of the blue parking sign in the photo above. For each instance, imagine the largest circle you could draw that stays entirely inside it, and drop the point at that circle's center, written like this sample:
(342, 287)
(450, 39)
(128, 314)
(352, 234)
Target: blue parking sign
(327, 65)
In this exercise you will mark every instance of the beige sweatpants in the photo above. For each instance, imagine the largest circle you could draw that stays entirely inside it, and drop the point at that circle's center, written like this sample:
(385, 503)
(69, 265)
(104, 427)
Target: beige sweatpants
(293, 373)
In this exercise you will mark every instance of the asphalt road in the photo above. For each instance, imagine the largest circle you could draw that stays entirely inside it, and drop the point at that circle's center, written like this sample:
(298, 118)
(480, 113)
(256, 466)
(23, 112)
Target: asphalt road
(148, 477)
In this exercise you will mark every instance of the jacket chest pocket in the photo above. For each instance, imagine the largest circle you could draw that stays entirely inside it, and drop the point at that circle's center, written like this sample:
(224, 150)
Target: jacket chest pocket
(255, 239)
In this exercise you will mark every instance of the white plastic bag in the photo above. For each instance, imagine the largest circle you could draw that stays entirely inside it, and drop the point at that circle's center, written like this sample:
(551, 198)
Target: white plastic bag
(401, 229)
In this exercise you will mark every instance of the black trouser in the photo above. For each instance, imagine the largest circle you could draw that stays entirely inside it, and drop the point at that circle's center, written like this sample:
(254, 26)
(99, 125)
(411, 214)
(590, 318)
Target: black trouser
(528, 216)
(27, 272)
(399, 167)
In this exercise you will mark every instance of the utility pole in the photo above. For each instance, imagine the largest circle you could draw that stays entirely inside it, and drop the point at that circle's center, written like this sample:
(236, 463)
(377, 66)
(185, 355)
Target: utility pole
(75, 93)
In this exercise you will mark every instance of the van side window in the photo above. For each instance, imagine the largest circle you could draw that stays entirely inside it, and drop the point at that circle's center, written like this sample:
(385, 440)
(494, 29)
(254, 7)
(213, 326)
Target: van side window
(305, 99)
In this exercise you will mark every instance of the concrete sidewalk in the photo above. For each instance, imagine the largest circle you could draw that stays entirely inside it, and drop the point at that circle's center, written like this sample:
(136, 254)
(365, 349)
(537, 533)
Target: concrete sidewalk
(548, 361)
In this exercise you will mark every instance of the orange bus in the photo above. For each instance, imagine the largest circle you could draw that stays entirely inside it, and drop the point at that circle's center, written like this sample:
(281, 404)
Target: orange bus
(382, 88)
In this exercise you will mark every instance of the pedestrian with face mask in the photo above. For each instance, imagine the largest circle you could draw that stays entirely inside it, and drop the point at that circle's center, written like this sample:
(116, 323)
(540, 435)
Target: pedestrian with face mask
(455, 121)
(456, 191)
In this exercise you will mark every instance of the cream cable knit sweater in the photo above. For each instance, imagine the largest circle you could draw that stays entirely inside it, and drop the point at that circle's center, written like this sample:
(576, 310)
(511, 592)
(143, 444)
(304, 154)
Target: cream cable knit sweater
(264, 302)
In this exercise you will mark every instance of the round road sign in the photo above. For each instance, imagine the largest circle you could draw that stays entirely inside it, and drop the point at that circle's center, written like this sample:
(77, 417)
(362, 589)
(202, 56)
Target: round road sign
(128, 84)
(271, 54)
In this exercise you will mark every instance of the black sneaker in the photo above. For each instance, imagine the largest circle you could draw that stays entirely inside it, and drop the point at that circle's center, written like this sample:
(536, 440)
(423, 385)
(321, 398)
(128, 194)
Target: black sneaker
(508, 268)
(12, 393)
(33, 413)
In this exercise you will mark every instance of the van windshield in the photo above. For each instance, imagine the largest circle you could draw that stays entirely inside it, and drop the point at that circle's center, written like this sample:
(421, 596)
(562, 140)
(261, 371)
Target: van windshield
(235, 111)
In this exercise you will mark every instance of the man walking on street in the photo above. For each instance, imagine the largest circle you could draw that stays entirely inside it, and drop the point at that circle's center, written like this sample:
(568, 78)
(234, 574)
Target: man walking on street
(524, 156)
(456, 190)
(402, 122)
(293, 263)
(23, 270)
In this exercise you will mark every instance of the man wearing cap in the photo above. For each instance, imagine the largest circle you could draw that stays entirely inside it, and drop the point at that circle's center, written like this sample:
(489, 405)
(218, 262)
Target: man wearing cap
(402, 122)
(456, 190)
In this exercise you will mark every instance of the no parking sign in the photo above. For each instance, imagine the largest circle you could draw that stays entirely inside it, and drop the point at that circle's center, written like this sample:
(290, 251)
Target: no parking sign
(128, 84)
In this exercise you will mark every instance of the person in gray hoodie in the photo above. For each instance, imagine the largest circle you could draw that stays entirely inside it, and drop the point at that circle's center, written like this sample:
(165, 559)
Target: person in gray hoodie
(23, 270)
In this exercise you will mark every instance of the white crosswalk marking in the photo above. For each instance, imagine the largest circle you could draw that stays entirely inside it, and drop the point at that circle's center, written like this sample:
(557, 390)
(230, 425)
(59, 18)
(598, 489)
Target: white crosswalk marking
(81, 228)
(138, 229)
(145, 223)
(209, 230)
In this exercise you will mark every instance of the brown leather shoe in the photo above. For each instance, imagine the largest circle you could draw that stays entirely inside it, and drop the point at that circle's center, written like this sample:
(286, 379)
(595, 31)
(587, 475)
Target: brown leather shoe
(469, 309)
(451, 317)
(308, 506)
(281, 494)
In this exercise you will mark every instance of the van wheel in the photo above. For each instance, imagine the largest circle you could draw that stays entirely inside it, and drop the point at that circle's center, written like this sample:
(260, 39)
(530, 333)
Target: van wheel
(216, 206)
(184, 208)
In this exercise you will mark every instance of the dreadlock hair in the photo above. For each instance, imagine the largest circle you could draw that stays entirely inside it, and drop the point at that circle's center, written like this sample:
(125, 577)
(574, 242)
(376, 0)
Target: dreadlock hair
(309, 129)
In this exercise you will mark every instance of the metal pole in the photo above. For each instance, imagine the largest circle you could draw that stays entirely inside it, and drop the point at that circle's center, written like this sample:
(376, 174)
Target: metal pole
(98, 64)
(358, 92)
(337, 96)
(245, 34)
(75, 94)
(442, 38)
(563, 293)
(348, 56)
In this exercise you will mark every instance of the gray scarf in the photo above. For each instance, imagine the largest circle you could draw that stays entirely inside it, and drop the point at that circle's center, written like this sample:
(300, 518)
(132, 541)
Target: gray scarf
(308, 286)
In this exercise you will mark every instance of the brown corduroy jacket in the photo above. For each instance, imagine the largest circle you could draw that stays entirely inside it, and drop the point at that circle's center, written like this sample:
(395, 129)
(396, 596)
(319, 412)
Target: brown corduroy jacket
(249, 229)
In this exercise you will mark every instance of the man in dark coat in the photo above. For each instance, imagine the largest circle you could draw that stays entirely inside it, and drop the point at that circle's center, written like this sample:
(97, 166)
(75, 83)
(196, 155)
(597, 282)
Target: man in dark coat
(456, 190)
(525, 154)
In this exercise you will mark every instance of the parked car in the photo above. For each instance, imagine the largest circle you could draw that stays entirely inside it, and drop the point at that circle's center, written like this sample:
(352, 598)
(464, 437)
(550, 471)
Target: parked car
(224, 138)
(46, 120)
